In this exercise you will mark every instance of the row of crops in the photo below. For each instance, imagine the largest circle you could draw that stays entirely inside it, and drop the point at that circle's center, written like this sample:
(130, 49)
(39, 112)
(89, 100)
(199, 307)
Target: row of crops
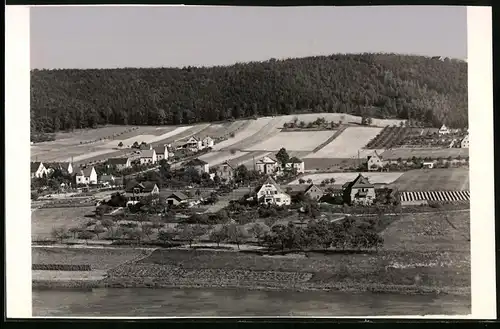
(61, 267)
(389, 137)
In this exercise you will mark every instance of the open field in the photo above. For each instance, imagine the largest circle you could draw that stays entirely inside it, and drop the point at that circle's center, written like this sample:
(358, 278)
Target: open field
(293, 141)
(44, 220)
(223, 129)
(345, 118)
(252, 128)
(348, 144)
(314, 164)
(443, 233)
(341, 178)
(452, 179)
(216, 158)
(97, 258)
(434, 153)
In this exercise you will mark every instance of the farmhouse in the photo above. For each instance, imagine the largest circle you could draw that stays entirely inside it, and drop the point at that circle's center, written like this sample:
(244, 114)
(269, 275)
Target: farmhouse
(465, 142)
(225, 171)
(295, 163)
(65, 167)
(199, 165)
(135, 191)
(148, 157)
(359, 192)
(110, 180)
(176, 198)
(271, 193)
(207, 142)
(119, 163)
(193, 144)
(314, 192)
(38, 170)
(374, 162)
(267, 165)
(444, 130)
(87, 176)
(161, 152)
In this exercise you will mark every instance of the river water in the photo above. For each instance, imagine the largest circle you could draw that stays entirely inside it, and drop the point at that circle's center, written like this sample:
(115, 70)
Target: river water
(145, 302)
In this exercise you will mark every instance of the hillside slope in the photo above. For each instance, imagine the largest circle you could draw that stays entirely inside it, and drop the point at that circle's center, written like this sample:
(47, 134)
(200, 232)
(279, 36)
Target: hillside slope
(378, 85)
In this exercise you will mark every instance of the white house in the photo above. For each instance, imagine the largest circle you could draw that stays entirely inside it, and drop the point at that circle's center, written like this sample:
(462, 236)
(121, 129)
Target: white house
(267, 165)
(428, 165)
(87, 176)
(465, 142)
(374, 162)
(194, 144)
(271, 193)
(443, 130)
(296, 164)
(38, 170)
(161, 152)
(207, 142)
(148, 157)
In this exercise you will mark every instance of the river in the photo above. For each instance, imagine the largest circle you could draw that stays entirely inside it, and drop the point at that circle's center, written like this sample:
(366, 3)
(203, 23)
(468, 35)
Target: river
(235, 302)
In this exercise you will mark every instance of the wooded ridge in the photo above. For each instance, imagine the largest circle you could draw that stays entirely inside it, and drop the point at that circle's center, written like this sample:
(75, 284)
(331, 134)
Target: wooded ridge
(424, 89)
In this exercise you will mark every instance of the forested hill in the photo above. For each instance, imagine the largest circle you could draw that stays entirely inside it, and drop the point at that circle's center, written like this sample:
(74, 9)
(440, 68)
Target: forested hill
(429, 90)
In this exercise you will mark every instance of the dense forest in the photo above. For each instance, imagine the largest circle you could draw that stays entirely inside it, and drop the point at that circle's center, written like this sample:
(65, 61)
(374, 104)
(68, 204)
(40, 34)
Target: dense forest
(427, 90)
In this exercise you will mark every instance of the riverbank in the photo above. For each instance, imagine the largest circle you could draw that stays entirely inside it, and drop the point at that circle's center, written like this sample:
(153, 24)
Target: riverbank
(353, 288)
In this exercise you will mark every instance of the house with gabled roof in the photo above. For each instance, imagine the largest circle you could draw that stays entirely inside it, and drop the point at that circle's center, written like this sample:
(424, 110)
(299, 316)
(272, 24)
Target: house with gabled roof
(161, 152)
(443, 130)
(197, 164)
(38, 170)
(148, 157)
(314, 192)
(271, 193)
(135, 191)
(176, 198)
(87, 176)
(119, 163)
(193, 144)
(207, 142)
(225, 171)
(65, 167)
(267, 165)
(359, 192)
(295, 163)
(465, 142)
(374, 162)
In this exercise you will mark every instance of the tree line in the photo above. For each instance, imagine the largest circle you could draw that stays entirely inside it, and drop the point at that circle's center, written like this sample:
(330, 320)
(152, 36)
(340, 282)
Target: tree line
(374, 85)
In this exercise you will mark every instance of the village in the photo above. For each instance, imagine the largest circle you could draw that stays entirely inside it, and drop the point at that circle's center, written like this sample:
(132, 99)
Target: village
(173, 181)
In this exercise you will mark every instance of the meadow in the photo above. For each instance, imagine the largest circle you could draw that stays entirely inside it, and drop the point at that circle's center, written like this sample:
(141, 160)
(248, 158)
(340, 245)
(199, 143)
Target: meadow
(449, 179)
(293, 141)
(44, 220)
(433, 153)
(341, 178)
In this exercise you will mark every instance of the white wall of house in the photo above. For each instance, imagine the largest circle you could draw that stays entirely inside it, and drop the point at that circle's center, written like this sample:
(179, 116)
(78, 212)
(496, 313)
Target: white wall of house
(149, 160)
(40, 171)
(374, 161)
(465, 142)
(269, 193)
(299, 167)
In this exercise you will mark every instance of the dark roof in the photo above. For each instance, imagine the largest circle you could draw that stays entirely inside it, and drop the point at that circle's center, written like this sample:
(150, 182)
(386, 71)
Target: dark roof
(374, 154)
(195, 162)
(87, 171)
(311, 186)
(144, 147)
(144, 187)
(147, 153)
(35, 166)
(178, 195)
(160, 149)
(117, 161)
(360, 181)
(57, 165)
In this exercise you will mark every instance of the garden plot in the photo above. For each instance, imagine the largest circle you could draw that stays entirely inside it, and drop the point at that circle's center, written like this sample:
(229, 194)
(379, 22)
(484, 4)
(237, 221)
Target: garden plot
(254, 127)
(341, 178)
(215, 158)
(293, 141)
(349, 144)
(44, 220)
(433, 153)
(450, 179)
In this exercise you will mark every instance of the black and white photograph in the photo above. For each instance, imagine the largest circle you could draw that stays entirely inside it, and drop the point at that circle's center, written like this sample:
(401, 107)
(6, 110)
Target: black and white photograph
(253, 161)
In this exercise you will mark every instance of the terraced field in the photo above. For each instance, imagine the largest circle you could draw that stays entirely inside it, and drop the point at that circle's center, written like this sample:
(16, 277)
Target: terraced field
(447, 196)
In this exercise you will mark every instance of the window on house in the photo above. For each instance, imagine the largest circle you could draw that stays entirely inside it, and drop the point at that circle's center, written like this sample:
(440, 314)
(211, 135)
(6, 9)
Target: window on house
(275, 192)
(278, 200)
(136, 190)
